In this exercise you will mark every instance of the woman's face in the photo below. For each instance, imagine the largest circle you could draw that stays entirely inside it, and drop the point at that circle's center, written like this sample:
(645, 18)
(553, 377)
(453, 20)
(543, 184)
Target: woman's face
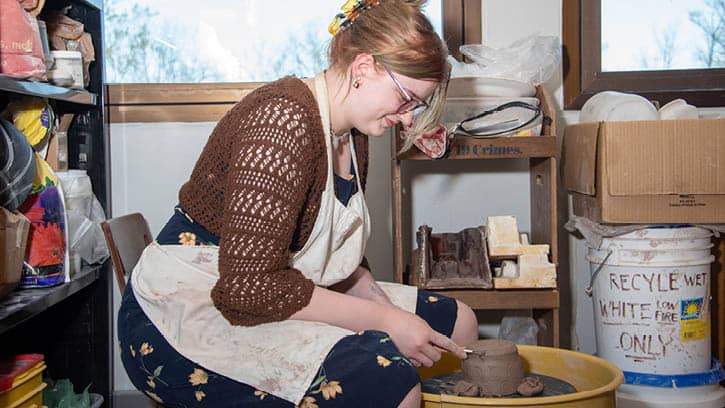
(380, 97)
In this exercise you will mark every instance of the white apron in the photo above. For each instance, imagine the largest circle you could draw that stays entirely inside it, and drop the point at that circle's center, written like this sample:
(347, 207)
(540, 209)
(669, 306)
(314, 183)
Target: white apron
(172, 284)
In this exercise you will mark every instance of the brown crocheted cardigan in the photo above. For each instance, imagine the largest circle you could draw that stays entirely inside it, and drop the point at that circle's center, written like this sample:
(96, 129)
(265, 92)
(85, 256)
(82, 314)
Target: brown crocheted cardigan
(257, 186)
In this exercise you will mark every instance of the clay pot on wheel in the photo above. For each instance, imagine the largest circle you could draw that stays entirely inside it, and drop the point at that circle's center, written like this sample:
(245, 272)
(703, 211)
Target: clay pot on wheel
(494, 366)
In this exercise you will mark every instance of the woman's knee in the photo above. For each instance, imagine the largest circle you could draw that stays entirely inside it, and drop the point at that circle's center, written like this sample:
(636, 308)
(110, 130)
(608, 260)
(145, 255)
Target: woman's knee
(412, 399)
(465, 330)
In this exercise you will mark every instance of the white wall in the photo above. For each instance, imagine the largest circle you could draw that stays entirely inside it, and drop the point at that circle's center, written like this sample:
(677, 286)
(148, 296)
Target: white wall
(149, 162)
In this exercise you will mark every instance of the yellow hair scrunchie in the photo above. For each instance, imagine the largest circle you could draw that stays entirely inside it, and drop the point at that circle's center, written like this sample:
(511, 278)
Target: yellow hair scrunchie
(350, 11)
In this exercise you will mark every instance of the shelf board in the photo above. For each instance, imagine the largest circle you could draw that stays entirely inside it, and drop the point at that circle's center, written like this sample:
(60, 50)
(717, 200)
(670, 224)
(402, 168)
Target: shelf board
(21, 305)
(491, 299)
(463, 148)
(45, 90)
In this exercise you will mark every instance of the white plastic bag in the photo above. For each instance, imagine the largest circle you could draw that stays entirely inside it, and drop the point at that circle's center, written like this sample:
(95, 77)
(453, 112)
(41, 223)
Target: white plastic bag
(86, 238)
(85, 215)
(531, 59)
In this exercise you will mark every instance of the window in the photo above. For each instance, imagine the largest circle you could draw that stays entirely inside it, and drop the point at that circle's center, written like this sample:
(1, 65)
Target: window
(680, 35)
(185, 41)
(184, 60)
(662, 49)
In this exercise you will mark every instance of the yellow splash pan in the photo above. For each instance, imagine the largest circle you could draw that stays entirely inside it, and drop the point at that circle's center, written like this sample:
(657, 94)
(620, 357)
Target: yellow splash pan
(595, 380)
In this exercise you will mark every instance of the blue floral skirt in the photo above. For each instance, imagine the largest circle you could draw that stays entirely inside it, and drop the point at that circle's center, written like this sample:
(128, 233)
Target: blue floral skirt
(362, 370)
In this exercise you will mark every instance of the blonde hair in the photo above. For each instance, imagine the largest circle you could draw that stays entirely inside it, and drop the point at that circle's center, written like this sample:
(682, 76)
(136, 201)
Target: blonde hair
(400, 37)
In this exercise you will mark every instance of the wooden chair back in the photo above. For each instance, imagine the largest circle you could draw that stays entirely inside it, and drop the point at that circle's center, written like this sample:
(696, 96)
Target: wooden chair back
(126, 236)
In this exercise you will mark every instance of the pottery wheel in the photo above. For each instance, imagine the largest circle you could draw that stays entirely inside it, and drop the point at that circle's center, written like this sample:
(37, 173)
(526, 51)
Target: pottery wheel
(552, 386)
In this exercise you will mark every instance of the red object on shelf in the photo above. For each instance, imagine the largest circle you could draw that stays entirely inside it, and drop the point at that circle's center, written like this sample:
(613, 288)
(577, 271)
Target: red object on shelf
(13, 366)
(434, 144)
(21, 52)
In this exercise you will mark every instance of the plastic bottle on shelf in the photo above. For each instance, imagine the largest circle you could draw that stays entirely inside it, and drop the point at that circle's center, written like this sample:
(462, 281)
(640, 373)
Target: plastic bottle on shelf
(80, 140)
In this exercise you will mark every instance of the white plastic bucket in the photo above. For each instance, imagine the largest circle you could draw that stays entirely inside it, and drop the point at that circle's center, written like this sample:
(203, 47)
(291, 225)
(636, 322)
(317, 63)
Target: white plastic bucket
(704, 396)
(661, 238)
(651, 306)
(650, 257)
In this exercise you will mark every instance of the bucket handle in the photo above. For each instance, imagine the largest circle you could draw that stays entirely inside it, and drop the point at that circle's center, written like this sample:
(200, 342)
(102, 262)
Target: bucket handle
(588, 290)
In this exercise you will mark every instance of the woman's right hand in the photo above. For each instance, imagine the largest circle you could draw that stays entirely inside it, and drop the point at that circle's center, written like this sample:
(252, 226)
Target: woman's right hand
(410, 333)
(416, 339)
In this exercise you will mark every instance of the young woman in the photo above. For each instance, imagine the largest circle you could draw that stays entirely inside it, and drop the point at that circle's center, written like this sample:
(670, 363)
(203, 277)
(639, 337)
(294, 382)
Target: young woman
(268, 301)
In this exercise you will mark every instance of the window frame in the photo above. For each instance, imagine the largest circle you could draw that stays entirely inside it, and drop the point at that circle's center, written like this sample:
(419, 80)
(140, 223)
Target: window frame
(583, 76)
(207, 102)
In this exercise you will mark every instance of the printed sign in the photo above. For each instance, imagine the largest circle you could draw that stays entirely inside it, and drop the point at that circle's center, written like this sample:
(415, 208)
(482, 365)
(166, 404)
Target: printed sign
(692, 325)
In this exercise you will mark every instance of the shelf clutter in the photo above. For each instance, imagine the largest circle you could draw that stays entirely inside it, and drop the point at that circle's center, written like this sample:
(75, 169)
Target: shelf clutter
(648, 196)
(21, 382)
(52, 49)
(539, 148)
(50, 216)
(52, 54)
(53, 193)
(44, 213)
(485, 257)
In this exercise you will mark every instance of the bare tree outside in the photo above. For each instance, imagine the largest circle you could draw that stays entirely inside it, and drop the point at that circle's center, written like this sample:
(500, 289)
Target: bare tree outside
(666, 47)
(304, 54)
(664, 52)
(712, 24)
(662, 35)
(186, 41)
(135, 54)
(144, 47)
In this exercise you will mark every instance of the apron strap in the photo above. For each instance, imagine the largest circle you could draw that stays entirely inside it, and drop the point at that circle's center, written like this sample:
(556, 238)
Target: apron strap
(324, 107)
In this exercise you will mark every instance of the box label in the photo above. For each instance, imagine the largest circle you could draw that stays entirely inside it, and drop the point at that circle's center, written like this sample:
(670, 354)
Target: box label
(490, 150)
(686, 200)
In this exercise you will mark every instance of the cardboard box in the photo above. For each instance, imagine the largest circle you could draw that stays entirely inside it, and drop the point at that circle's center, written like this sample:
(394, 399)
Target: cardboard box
(670, 171)
(14, 229)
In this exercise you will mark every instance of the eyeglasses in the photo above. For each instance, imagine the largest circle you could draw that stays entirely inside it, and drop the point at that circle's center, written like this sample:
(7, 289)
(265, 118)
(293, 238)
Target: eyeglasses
(498, 121)
(412, 103)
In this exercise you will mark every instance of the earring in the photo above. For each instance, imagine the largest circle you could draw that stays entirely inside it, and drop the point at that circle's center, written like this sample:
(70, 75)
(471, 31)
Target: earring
(356, 83)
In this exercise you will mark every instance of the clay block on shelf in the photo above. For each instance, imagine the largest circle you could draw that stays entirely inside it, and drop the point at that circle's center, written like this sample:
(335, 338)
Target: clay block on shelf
(451, 260)
(505, 242)
(531, 271)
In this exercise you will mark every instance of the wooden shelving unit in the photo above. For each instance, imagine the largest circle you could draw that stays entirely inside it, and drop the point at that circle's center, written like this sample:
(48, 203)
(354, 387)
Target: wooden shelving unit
(45, 90)
(22, 305)
(70, 324)
(541, 152)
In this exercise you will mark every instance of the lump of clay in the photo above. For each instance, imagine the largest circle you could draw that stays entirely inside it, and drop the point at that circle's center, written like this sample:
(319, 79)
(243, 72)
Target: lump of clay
(494, 366)
(462, 387)
(530, 387)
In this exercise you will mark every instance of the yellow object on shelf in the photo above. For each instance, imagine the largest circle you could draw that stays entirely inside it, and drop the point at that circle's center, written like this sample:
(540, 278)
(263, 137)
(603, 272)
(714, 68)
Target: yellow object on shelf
(27, 389)
(595, 380)
(34, 118)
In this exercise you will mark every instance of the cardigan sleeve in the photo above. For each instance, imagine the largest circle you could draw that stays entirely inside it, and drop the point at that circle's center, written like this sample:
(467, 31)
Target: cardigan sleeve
(275, 148)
